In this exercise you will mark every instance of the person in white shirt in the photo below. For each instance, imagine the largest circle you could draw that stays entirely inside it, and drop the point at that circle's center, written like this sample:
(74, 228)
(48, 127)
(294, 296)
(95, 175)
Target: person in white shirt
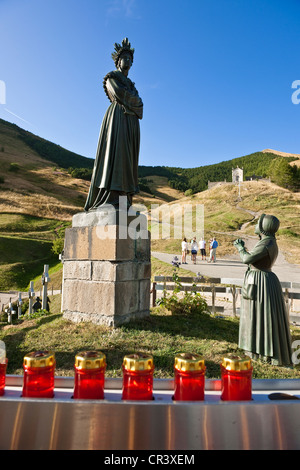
(194, 250)
(202, 246)
(184, 247)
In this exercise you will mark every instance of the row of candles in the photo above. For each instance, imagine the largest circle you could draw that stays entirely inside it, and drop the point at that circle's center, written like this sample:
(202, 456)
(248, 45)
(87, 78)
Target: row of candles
(138, 368)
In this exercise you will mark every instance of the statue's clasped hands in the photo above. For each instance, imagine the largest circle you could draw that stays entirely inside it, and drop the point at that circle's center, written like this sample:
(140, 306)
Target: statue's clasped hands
(239, 244)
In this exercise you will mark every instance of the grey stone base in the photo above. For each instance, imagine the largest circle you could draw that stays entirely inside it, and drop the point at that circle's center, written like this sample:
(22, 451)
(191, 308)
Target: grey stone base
(105, 280)
(108, 215)
(105, 292)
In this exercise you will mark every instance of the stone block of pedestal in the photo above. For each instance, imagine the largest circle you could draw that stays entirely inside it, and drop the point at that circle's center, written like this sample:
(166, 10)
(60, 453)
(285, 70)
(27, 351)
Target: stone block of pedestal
(106, 275)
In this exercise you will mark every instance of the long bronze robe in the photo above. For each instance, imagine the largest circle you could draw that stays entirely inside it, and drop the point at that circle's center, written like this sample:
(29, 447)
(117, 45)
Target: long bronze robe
(116, 164)
(264, 324)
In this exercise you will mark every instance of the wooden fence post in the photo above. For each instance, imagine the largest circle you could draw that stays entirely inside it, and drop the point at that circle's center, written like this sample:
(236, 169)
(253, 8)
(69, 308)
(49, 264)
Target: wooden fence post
(291, 301)
(153, 294)
(286, 297)
(213, 298)
(234, 296)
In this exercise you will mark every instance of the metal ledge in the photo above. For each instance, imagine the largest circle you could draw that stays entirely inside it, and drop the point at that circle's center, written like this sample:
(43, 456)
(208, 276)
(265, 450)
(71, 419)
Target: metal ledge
(63, 423)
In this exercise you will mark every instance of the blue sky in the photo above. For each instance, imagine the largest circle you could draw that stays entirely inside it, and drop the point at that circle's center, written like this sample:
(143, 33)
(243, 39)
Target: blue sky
(215, 76)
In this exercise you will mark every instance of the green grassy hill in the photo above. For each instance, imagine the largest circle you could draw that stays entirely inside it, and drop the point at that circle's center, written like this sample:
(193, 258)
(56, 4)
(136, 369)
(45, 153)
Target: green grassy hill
(54, 153)
(36, 200)
(227, 216)
(39, 194)
(25, 246)
(255, 165)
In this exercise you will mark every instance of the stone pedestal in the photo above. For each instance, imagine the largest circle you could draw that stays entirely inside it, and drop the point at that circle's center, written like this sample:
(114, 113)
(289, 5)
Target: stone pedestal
(106, 272)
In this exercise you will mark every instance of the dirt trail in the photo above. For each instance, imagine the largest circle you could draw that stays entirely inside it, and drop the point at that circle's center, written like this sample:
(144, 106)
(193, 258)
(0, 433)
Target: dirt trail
(287, 270)
(249, 239)
(254, 214)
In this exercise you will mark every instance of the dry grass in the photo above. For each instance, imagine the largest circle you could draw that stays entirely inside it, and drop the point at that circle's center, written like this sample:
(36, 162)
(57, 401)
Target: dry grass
(36, 204)
(225, 216)
(36, 187)
(162, 193)
(285, 154)
(40, 189)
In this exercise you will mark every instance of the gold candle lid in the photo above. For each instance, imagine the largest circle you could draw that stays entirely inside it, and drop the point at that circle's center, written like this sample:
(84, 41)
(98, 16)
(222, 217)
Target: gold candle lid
(138, 361)
(237, 362)
(189, 362)
(90, 360)
(39, 359)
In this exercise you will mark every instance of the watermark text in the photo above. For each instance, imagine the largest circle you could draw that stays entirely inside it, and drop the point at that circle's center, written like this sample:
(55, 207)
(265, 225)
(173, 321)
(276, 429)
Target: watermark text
(296, 94)
(2, 92)
(165, 221)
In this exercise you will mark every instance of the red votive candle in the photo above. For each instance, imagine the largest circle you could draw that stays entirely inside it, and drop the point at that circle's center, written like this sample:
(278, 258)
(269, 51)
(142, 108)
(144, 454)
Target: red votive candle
(3, 367)
(38, 381)
(189, 377)
(89, 375)
(236, 378)
(137, 377)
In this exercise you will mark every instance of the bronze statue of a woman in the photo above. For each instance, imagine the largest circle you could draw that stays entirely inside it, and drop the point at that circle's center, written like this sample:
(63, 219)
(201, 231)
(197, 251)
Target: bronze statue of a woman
(115, 170)
(264, 326)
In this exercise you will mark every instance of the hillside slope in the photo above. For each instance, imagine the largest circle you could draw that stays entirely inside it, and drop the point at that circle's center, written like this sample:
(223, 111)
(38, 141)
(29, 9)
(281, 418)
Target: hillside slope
(295, 156)
(33, 185)
(38, 199)
(228, 216)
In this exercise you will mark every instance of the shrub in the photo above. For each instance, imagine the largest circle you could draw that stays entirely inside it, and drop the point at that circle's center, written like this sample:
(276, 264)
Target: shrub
(191, 303)
(38, 314)
(14, 167)
(57, 246)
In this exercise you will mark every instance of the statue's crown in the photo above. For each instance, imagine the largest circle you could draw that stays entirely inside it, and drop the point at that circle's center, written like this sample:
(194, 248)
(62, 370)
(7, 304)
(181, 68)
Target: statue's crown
(120, 48)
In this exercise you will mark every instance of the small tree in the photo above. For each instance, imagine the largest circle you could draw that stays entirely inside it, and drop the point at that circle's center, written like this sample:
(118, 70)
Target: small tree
(57, 246)
(191, 303)
(14, 167)
(281, 173)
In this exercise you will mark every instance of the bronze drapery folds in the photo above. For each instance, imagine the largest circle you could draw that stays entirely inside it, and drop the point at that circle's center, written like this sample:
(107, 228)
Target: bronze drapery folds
(115, 170)
(264, 326)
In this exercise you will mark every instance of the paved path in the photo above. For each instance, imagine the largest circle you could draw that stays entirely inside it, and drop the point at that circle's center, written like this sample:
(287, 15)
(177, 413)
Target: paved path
(222, 267)
(232, 267)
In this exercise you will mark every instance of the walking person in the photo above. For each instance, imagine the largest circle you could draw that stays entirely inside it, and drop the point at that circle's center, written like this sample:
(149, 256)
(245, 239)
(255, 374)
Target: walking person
(194, 250)
(202, 246)
(184, 247)
(213, 250)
